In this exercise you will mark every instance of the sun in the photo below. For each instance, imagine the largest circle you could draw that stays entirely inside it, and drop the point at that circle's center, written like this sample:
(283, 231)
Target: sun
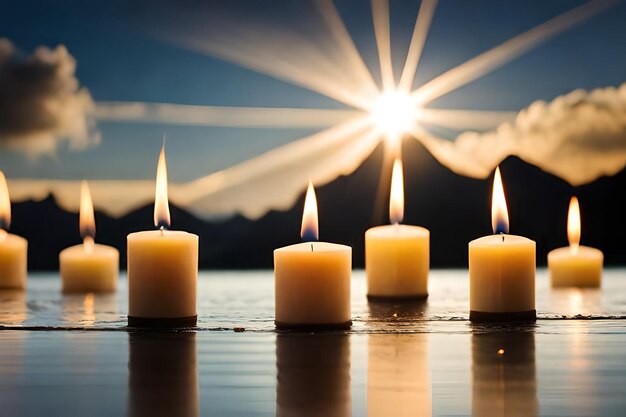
(394, 114)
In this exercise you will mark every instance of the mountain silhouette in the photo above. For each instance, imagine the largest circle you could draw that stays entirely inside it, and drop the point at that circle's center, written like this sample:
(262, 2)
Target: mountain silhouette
(455, 208)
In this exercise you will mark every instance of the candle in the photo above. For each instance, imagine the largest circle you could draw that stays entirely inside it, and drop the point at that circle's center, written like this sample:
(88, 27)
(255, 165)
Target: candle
(575, 266)
(89, 267)
(13, 248)
(162, 268)
(502, 269)
(312, 279)
(397, 255)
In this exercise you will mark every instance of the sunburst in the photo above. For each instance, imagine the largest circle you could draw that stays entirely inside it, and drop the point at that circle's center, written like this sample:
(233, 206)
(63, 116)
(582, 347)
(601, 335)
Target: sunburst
(334, 68)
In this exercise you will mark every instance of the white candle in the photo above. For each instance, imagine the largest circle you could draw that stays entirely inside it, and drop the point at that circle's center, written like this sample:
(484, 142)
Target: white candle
(397, 256)
(162, 269)
(13, 248)
(89, 267)
(575, 266)
(312, 280)
(502, 269)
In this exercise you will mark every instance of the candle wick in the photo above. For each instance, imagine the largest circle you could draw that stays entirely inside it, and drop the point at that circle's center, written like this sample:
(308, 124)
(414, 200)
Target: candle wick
(161, 229)
(311, 247)
(502, 236)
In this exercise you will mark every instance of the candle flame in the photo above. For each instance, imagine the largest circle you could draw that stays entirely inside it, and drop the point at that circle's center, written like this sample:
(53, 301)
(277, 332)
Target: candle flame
(309, 231)
(499, 213)
(396, 198)
(5, 205)
(573, 224)
(161, 206)
(86, 219)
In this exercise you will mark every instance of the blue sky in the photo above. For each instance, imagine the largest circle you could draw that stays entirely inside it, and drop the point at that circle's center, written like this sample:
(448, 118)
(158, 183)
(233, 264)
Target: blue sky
(119, 59)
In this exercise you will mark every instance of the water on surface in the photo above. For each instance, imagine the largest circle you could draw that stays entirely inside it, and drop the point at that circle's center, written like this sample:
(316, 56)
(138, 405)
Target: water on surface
(246, 299)
(240, 374)
(73, 356)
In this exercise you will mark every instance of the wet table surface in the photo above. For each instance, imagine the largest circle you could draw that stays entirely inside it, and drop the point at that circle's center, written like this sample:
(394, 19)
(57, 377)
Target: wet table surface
(73, 355)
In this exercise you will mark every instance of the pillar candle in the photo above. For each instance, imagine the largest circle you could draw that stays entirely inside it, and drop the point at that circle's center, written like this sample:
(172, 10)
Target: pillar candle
(13, 248)
(89, 267)
(501, 269)
(312, 280)
(397, 256)
(576, 265)
(162, 269)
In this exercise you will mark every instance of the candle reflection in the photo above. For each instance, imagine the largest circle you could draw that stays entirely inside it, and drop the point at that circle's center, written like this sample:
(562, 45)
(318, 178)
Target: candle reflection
(504, 381)
(573, 301)
(13, 309)
(13, 366)
(397, 313)
(313, 376)
(89, 309)
(398, 376)
(163, 378)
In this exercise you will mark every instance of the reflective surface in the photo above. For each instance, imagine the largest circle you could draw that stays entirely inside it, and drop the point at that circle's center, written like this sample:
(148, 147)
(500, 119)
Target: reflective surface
(72, 355)
(246, 299)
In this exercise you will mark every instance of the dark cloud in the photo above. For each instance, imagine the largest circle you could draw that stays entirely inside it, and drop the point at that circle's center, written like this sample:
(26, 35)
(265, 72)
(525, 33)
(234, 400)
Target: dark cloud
(41, 101)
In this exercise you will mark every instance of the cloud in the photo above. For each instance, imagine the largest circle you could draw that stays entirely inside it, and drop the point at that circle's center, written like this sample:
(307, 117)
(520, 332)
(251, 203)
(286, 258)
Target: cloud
(41, 101)
(579, 137)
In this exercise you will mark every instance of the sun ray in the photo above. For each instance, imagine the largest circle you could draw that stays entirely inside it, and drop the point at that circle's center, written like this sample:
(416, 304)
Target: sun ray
(305, 68)
(380, 15)
(309, 147)
(420, 33)
(494, 58)
(344, 40)
(276, 178)
(465, 119)
(316, 62)
(270, 181)
(183, 114)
